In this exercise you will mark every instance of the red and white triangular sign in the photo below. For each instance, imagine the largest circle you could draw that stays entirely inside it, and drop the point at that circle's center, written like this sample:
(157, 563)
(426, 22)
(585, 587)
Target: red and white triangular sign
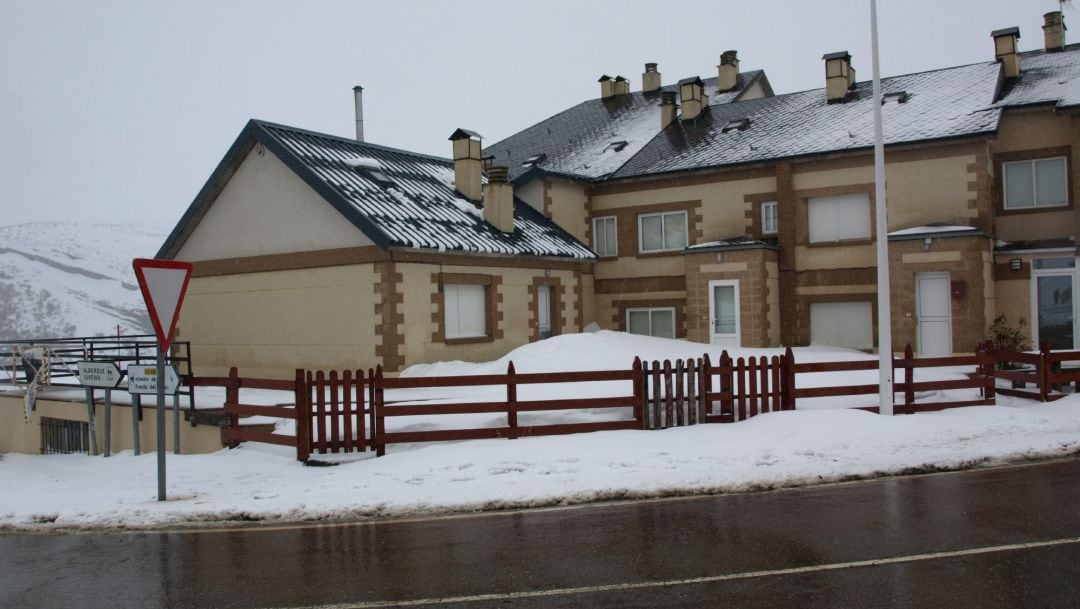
(163, 284)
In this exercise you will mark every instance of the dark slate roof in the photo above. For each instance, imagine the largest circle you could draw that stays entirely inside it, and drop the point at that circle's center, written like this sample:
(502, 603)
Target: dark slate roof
(1046, 78)
(941, 104)
(576, 141)
(420, 210)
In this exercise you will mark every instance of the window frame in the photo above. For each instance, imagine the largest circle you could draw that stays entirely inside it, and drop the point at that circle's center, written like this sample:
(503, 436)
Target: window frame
(817, 202)
(650, 311)
(446, 311)
(1034, 183)
(614, 247)
(664, 247)
(765, 207)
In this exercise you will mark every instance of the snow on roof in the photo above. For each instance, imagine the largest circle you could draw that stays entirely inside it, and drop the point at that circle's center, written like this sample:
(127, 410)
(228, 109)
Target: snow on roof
(365, 163)
(1046, 78)
(933, 228)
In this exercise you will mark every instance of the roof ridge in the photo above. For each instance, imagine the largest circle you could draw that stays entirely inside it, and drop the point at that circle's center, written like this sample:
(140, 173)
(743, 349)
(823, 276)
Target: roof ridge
(342, 139)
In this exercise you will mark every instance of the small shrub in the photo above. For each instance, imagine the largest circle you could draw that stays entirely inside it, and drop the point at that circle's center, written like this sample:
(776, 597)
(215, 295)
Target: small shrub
(1009, 338)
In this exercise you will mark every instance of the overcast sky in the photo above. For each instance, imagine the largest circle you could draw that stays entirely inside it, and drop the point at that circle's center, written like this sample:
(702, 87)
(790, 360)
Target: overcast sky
(119, 111)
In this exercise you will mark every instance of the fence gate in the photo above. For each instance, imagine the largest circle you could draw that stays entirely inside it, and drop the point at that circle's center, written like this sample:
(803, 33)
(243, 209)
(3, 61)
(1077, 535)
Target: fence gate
(335, 412)
(672, 393)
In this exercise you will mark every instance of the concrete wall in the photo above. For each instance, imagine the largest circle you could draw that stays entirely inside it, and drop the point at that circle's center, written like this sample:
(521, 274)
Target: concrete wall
(19, 436)
(266, 209)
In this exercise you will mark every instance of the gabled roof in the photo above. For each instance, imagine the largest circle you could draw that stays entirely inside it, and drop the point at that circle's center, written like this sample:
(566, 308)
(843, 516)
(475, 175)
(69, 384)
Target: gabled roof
(412, 204)
(576, 141)
(1045, 79)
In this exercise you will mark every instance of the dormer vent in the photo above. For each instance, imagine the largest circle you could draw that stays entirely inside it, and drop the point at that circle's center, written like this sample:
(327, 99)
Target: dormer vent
(622, 86)
(729, 71)
(371, 169)
(839, 75)
(898, 97)
(535, 160)
(692, 97)
(1054, 31)
(650, 79)
(1005, 51)
(741, 124)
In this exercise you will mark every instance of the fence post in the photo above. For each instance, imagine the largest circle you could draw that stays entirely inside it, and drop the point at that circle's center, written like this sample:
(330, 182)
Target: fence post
(232, 396)
(989, 380)
(727, 404)
(787, 380)
(303, 416)
(347, 436)
(706, 388)
(1044, 372)
(909, 378)
(669, 397)
(511, 401)
(639, 392)
(693, 370)
(377, 408)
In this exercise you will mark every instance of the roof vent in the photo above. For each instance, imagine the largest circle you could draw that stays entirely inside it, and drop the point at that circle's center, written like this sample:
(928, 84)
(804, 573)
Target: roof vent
(371, 169)
(899, 97)
(535, 160)
(616, 146)
(741, 124)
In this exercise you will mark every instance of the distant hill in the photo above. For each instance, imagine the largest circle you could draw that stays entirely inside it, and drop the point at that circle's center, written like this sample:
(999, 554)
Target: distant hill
(61, 279)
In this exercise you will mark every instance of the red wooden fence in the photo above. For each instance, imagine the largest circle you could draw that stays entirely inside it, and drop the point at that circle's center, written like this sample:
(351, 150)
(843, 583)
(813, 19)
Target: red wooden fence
(511, 405)
(234, 434)
(336, 411)
(736, 390)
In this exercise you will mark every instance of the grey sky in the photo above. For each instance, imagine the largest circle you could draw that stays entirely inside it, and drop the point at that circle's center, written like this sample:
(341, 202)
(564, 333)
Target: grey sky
(119, 111)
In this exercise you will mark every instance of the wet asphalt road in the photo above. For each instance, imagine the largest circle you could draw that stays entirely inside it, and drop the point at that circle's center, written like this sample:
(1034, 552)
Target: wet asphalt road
(947, 540)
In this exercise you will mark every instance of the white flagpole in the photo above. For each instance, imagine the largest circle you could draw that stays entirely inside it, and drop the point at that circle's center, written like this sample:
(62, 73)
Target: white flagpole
(884, 309)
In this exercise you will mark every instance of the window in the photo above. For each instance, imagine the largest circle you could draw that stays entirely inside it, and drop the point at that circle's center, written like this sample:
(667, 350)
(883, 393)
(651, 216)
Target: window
(605, 236)
(839, 218)
(466, 315)
(842, 324)
(769, 218)
(1036, 183)
(662, 232)
(651, 322)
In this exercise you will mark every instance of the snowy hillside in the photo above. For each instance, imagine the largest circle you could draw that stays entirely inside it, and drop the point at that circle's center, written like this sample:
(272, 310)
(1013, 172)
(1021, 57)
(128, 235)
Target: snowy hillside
(72, 279)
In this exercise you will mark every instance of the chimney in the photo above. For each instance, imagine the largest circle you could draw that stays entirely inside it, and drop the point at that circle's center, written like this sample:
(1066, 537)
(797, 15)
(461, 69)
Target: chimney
(729, 71)
(692, 97)
(622, 86)
(650, 80)
(1005, 50)
(358, 97)
(1054, 31)
(838, 75)
(667, 109)
(468, 167)
(607, 87)
(499, 199)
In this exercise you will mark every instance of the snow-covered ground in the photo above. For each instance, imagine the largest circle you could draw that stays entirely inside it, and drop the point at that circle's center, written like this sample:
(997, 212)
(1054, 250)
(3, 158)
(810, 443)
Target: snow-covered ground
(265, 483)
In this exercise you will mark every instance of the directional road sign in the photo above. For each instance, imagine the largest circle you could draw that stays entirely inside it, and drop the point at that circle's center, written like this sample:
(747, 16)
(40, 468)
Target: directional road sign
(163, 284)
(99, 374)
(143, 379)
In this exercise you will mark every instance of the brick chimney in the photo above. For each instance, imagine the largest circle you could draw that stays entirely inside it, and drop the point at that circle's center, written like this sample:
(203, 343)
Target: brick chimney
(650, 79)
(729, 71)
(839, 75)
(1054, 30)
(499, 199)
(622, 86)
(692, 97)
(607, 86)
(668, 109)
(1005, 50)
(468, 167)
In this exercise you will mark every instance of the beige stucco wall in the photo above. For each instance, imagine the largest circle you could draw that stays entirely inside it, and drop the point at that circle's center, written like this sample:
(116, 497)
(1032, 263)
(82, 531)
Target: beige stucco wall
(273, 322)
(266, 209)
(567, 206)
(533, 194)
(19, 436)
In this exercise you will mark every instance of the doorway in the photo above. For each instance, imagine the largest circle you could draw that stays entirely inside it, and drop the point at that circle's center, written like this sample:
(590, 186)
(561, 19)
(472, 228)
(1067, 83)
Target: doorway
(724, 313)
(933, 312)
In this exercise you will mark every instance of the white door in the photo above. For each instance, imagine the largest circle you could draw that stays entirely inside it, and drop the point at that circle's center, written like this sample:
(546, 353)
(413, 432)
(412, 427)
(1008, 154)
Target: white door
(1053, 307)
(724, 313)
(933, 311)
(543, 307)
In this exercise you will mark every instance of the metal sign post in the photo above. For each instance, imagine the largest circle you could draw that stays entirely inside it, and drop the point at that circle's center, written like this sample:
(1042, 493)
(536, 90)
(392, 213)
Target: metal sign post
(163, 284)
(104, 375)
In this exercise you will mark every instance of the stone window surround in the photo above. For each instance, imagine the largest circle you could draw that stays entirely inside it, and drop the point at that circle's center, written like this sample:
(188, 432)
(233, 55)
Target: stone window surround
(679, 304)
(490, 306)
(627, 225)
(1031, 155)
(662, 215)
(802, 214)
(592, 234)
(651, 310)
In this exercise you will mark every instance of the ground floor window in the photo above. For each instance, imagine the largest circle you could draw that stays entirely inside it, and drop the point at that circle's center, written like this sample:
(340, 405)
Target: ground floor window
(466, 312)
(64, 437)
(659, 321)
(842, 324)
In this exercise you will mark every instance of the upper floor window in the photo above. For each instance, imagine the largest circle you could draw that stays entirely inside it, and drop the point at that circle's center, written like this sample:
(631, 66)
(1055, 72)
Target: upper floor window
(1035, 183)
(662, 232)
(605, 236)
(770, 221)
(839, 218)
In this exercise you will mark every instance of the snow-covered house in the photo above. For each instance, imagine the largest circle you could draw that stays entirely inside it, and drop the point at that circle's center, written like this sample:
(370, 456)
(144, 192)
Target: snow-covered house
(752, 223)
(709, 209)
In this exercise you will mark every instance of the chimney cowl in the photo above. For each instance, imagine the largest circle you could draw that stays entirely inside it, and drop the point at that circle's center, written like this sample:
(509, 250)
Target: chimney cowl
(729, 57)
(728, 71)
(650, 79)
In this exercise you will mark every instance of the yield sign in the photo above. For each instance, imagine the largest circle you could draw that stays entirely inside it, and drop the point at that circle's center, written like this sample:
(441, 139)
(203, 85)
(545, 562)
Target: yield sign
(163, 284)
